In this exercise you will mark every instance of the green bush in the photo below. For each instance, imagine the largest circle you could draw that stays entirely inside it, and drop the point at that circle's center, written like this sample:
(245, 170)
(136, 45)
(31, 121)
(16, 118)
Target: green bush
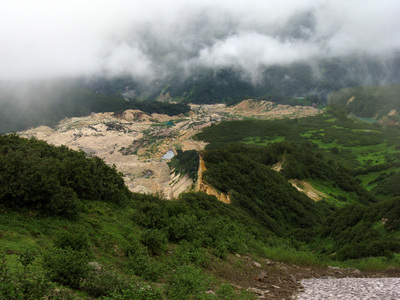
(141, 264)
(187, 281)
(66, 266)
(102, 282)
(150, 212)
(188, 253)
(22, 284)
(137, 291)
(155, 240)
(76, 240)
(54, 180)
(183, 227)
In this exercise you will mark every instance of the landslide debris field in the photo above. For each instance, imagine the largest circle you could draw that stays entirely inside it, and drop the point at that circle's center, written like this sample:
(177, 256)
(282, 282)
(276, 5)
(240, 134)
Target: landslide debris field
(135, 142)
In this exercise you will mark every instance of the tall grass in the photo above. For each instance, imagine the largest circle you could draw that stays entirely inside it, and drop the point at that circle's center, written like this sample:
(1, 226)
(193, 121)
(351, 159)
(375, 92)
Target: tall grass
(373, 264)
(290, 255)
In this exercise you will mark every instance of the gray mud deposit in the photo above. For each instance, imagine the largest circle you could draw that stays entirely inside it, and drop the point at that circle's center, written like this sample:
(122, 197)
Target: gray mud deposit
(350, 288)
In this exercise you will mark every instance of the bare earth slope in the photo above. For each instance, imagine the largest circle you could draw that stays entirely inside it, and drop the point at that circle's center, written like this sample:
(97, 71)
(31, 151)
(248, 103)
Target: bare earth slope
(135, 142)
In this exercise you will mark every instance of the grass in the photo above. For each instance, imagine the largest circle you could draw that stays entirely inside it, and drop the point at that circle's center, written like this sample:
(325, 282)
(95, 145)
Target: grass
(109, 229)
(373, 264)
(263, 142)
(333, 192)
(290, 255)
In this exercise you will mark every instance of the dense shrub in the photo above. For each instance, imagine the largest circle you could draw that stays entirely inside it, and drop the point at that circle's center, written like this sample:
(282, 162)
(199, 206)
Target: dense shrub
(66, 266)
(150, 212)
(102, 282)
(75, 240)
(54, 180)
(141, 264)
(389, 187)
(359, 231)
(186, 282)
(184, 227)
(265, 194)
(139, 291)
(22, 283)
(191, 253)
(155, 240)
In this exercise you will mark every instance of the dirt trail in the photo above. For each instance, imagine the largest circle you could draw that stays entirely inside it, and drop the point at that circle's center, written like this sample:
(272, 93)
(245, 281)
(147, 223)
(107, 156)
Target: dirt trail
(308, 189)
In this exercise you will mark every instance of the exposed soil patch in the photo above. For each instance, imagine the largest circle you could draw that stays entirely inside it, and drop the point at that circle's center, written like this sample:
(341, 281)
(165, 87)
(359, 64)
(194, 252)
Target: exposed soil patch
(308, 189)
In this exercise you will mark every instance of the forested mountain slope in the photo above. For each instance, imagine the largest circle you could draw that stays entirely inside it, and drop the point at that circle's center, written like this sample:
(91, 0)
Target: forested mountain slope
(370, 152)
(302, 82)
(381, 103)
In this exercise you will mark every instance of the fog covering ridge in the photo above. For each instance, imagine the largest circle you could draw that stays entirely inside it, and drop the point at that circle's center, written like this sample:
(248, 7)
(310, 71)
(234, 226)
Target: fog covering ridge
(152, 40)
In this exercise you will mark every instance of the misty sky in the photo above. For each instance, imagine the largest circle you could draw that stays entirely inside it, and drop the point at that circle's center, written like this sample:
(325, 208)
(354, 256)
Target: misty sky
(150, 39)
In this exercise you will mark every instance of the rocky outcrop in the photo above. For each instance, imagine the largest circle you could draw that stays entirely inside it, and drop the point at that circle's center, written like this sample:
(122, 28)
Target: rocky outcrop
(201, 186)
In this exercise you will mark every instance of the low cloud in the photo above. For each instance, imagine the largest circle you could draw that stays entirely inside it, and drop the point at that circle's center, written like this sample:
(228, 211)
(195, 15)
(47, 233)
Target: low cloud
(44, 39)
(251, 51)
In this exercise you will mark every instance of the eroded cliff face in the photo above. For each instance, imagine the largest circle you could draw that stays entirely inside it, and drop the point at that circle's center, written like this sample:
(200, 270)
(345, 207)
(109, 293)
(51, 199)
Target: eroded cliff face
(201, 186)
(178, 185)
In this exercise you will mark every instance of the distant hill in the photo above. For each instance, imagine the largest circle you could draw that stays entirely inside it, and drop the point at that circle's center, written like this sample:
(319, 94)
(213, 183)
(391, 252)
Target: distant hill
(381, 103)
(303, 82)
(22, 107)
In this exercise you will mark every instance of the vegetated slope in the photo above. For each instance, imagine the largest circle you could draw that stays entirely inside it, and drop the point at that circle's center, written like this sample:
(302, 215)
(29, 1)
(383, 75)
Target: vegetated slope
(265, 194)
(379, 102)
(370, 152)
(301, 163)
(61, 210)
(358, 231)
(54, 180)
(69, 226)
(46, 105)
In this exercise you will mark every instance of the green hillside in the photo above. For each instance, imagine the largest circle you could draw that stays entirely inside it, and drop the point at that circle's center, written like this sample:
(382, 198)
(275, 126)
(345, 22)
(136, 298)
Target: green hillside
(60, 211)
(70, 229)
(369, 101)
(340, 156)
(370, 153)
(358, 231)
